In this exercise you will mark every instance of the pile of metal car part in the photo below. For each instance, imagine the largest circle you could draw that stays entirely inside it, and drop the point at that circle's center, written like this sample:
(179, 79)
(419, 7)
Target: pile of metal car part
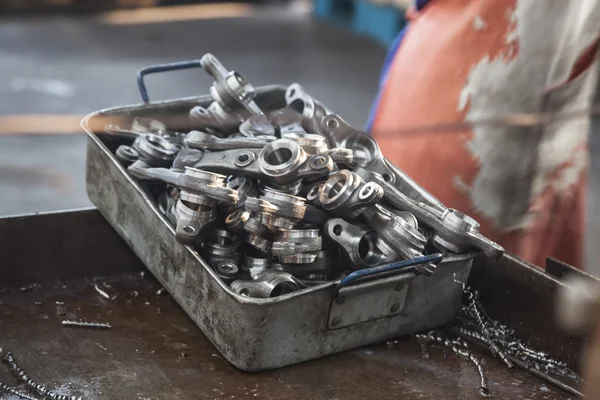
(280, 199)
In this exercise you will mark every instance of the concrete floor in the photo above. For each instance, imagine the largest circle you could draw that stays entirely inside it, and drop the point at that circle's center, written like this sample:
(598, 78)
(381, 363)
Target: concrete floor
(77, 65)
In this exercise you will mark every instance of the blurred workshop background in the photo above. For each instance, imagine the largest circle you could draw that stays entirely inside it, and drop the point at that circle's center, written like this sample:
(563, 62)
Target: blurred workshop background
(62, 59)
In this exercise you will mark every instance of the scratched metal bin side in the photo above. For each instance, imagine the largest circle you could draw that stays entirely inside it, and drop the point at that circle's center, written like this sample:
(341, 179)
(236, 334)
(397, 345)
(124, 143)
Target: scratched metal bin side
(261, 334)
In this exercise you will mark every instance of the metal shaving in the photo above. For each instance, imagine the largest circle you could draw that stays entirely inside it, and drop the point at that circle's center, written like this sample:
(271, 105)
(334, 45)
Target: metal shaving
(474, 322)
(459, 347)
(104, 294)
(84, 324)
(39, 388)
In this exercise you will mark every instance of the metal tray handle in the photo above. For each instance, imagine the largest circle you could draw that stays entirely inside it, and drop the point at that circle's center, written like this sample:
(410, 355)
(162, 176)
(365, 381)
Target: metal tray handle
(152, 69)
(403, 266)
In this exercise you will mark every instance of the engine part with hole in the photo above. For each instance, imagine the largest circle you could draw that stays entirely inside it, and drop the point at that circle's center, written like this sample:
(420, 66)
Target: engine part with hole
(452, 230)
(228, 271)
(191, 220)
(298, 99)
(127, 155)
(205, 141)
(346, 195)
(233, 99)
(358, 244)
(281, 162)
(367, 153)
(253, 265)
(193, 181)
(399, 234)
(155, 150)
(284, 161)
(230, 89)
(267, 284)
(296, 241)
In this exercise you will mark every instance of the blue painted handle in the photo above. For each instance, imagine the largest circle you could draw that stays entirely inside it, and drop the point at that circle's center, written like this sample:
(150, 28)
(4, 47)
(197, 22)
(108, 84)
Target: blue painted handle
(175, 66)
(435, 258)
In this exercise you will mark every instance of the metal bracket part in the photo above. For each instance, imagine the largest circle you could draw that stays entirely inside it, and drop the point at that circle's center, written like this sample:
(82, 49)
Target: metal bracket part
(206, 141)
(367, 153)
(453, 230)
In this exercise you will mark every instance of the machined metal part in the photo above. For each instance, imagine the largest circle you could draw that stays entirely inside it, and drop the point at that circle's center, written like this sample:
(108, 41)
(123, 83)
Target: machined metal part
(281, 162)
(142, 125)
(259, 243)
(267, 284)
(254, 226)
(367, 153)
(155, 150)
(221, 242)
(214, 117)
(310, 143)
(127, 155)
(312, 196)
(358, 244)
(300, 258)
(398, 233)
(298, 99)
(192, 180)
(294, 188)
(233, 98)
(291, 242)
(187, 158)
(341, 156)
(228, 271)
(285, 116)
(253, 265)
(324, 265)
(205, 141)
(244, 187)
(230, 89)
(257, 125)
(277, 210)
(345, 194)
(236, 220)
(284, 161)
(453, 230)
(191, 220)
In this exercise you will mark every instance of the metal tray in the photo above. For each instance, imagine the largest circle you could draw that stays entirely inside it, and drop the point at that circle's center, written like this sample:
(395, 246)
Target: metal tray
(260, 334)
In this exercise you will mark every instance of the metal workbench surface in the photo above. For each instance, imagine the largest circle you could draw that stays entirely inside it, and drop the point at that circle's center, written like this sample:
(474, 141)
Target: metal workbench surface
(154, 351)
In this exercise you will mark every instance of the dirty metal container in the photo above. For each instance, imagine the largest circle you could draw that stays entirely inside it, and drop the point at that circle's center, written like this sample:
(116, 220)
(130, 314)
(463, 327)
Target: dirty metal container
(251, 333)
